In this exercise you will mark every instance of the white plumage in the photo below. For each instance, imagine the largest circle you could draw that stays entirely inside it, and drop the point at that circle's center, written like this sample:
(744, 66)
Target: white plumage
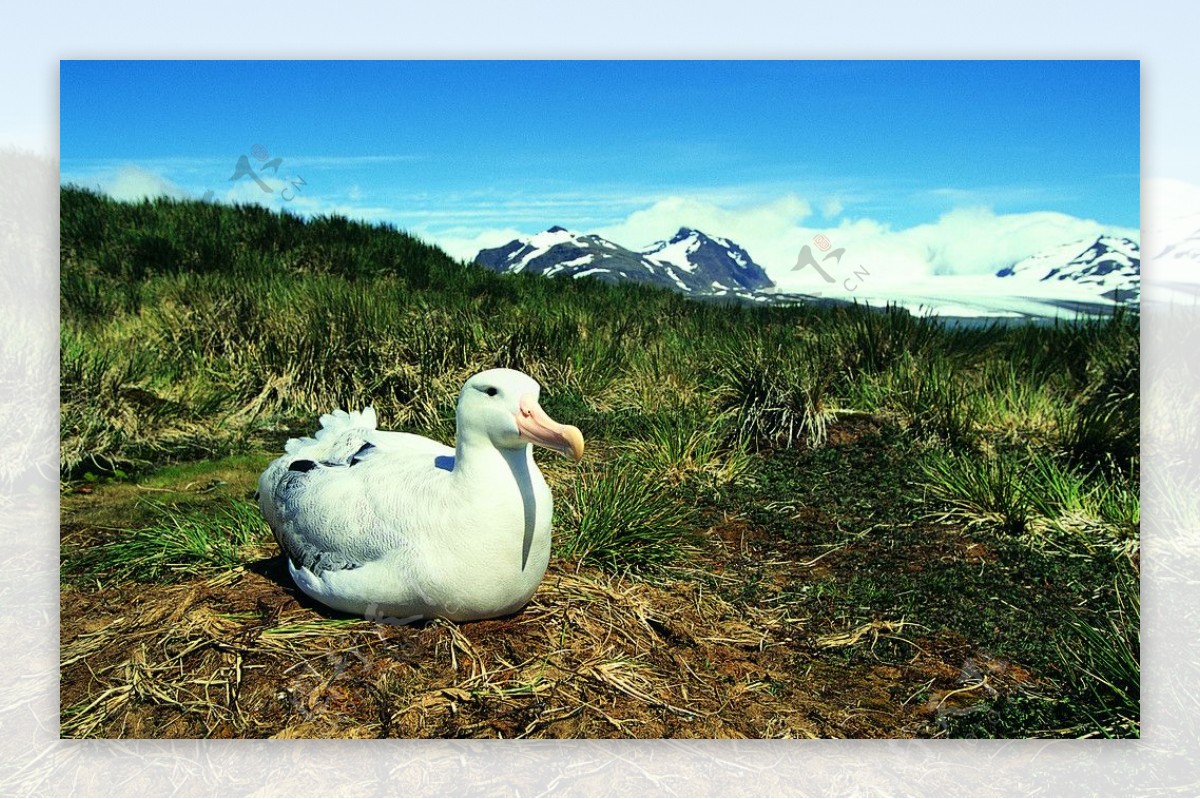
(399, 527)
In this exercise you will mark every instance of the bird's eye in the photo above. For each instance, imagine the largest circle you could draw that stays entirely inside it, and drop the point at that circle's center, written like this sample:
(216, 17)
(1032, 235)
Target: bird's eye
(492, 391)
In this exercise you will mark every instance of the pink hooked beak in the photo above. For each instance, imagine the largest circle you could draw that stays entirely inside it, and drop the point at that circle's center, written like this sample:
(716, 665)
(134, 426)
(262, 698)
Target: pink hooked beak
(538, 428)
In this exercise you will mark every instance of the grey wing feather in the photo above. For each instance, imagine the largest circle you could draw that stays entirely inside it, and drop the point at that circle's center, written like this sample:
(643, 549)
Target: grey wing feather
(292, 533)
(317, 501)
(322, 520)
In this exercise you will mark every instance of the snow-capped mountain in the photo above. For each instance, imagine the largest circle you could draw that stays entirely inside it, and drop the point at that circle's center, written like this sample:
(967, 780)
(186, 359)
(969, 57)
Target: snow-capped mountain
(1107, 268)
(711, 260)
(1084, 277)
(691, 262)
(560, 252)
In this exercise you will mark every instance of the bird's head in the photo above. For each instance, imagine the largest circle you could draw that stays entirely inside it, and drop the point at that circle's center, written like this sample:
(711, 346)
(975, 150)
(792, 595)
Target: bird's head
(502, 405)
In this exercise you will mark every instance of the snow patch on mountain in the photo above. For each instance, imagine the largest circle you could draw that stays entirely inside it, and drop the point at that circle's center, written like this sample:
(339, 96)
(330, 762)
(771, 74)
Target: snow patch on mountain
(1107, 267)
(675, 254)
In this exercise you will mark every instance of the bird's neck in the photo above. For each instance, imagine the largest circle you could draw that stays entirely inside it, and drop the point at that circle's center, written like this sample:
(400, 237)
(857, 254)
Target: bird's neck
(484, 461)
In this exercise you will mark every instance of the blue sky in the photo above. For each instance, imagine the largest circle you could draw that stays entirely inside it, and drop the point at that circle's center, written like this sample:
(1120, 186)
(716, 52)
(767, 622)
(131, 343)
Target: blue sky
(469, 154)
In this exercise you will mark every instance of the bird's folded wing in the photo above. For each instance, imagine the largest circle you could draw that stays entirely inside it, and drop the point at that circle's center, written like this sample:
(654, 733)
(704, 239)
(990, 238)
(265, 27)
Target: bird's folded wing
(326, 519)
(341, 437)
(321, 495)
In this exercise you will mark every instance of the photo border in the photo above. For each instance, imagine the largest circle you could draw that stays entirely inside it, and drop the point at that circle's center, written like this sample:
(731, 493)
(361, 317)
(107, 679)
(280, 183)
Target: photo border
(34, 762)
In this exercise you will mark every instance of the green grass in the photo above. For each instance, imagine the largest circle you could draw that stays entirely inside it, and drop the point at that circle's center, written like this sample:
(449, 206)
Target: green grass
(903, 565)
(1103, 658)
(180, 543)
(979, 490)
(1094, 687)
(1035, 493)
(623, 522)
(779, 389)
(686, 445)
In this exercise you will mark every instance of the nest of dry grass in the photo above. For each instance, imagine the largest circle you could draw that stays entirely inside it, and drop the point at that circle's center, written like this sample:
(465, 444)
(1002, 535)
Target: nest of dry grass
(591, 656)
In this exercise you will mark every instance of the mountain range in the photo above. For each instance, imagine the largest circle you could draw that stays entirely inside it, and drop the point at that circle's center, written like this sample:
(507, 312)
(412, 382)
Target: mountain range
(1082, 276)
(690, 262)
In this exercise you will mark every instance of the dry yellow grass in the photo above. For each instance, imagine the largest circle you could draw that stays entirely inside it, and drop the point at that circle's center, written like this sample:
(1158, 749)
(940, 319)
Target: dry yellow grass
(590, 656)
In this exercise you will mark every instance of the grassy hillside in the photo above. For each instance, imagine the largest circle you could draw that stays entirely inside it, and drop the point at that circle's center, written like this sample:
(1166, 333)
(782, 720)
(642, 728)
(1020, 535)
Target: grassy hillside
(791, 521)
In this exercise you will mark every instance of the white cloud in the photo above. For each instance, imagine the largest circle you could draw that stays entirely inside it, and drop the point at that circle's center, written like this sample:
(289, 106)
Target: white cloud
(131, 182)
(965, 241)
(769, 231)
(975, 241)
(465, 244)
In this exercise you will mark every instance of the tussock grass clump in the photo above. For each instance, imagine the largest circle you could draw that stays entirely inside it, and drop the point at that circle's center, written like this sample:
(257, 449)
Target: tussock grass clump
(936, 398)
(980, 490)
(685, 445)
(1096, 507)
(109, 417)
(183, 543)
(1011, 409)
(658, 376)
(1106, 422)
(1035, 494)
(872, 342)
(780, 391)
(1103, 660)
(621, 522)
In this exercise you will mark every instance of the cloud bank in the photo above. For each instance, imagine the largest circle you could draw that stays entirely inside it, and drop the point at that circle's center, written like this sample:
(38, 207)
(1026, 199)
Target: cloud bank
(131, 182)
(965, 241)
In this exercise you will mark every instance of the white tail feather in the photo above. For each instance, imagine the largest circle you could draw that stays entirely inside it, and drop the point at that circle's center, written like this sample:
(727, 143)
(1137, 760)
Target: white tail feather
(333, 424)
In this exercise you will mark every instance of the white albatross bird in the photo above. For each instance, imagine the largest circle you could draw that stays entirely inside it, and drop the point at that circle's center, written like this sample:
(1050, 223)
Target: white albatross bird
(395, 526)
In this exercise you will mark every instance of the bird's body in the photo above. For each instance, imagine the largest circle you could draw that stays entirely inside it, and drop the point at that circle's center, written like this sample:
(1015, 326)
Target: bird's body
(399, 527)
